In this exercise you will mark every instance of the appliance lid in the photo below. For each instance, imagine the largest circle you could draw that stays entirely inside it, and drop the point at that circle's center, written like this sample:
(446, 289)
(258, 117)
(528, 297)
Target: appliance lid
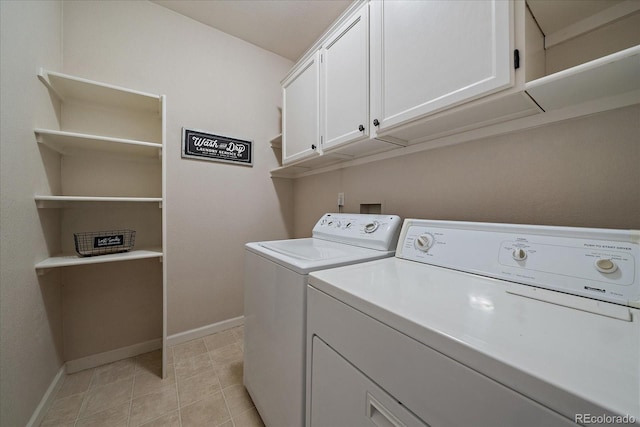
(310, 254)
(310, 249)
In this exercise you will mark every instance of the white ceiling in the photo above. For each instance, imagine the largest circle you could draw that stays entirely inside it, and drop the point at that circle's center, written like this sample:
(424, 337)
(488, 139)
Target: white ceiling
(290, 27)
(285, 27)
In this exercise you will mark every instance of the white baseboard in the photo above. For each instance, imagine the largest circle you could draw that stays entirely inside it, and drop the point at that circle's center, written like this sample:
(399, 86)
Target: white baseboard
(47, 399)
(112, 355)
(203, 331)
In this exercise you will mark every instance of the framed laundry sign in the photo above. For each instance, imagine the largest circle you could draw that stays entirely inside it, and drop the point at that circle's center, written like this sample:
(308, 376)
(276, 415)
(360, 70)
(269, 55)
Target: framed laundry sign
(217, 148)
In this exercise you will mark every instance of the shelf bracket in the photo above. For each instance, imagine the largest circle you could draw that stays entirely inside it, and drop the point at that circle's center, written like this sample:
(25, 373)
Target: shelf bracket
(43, 78)
(42, 271)
(393, 140)
(160, 205)
(340, 155)
(49, 204)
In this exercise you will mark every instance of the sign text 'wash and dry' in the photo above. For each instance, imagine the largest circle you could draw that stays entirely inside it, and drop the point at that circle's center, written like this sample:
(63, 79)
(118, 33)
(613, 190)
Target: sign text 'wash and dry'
(200, 145)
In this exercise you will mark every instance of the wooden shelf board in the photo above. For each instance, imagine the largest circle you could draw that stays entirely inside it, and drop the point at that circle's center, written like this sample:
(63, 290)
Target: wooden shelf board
(604, 77)
(62, 201)
(72, 143)
(70, 87)
(71, 260)
(288, 171)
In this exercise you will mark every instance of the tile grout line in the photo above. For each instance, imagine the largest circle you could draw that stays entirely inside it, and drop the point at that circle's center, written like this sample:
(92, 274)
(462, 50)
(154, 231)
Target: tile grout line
(133, 387)
(226, 404)
(237, 343)
(86, 396)
(175, 377)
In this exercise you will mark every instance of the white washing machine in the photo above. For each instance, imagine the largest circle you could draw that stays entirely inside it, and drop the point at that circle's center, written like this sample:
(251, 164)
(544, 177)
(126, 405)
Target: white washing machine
(276, 274)
(474, 324)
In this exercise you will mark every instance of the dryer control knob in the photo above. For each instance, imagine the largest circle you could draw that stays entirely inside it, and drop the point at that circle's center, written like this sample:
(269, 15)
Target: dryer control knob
(605, 265)
(519, 254)
(371, 227)
(424, 242)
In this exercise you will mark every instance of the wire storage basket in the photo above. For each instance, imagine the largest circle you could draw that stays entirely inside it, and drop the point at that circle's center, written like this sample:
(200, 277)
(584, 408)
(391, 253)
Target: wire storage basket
(104, 242)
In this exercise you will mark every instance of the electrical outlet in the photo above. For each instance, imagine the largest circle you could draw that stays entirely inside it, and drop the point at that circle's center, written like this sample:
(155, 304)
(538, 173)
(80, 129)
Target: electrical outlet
(340, 199)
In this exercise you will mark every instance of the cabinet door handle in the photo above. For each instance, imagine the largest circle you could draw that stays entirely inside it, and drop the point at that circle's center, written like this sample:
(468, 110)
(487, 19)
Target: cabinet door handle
(376, 122)
(361, 128)
(313, 146)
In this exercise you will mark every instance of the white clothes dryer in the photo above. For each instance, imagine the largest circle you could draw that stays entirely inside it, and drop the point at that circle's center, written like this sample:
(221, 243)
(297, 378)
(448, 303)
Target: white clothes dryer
(276, 274)
(475, 324)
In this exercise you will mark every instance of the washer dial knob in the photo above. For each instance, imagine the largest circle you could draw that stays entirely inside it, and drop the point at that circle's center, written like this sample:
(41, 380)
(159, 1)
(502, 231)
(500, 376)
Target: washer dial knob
(371, 227)
(519, 254)
(605, 265)
(424, 242)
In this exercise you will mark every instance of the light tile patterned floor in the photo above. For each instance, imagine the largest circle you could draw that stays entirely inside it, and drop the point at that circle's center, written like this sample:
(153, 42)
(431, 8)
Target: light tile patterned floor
(203, 388)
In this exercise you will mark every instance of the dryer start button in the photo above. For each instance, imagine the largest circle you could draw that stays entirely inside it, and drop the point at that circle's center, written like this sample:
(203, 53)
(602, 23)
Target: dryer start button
(604, 265)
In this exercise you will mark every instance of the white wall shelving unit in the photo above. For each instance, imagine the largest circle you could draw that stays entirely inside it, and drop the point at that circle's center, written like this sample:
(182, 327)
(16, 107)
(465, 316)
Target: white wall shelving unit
(124, 129)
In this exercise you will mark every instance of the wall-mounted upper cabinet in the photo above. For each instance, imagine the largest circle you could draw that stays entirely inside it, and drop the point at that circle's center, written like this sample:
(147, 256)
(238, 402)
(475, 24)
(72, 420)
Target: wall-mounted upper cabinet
(428, 56)
(301, 111)
(326, 99)
(439, 69)
(345, 82)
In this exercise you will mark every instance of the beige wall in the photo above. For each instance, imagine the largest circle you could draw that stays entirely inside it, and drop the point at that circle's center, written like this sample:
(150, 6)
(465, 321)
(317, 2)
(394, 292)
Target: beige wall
(582, 172)
(30, 314)
(213, 82)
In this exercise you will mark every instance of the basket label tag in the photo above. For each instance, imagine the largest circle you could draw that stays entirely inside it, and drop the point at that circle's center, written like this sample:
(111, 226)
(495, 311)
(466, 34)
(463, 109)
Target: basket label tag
(105, 241)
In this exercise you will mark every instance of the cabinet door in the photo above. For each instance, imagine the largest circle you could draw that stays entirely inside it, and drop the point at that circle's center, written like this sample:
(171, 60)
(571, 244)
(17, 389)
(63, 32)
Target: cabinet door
(301, 111)
(345, 78)
(430, 55)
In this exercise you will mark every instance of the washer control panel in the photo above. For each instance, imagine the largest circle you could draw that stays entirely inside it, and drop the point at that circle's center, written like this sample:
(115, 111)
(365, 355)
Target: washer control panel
(370, 231)
(596, 263)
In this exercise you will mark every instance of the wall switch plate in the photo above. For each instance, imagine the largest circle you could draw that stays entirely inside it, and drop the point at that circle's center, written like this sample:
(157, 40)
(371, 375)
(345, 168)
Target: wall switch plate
(340, 199)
